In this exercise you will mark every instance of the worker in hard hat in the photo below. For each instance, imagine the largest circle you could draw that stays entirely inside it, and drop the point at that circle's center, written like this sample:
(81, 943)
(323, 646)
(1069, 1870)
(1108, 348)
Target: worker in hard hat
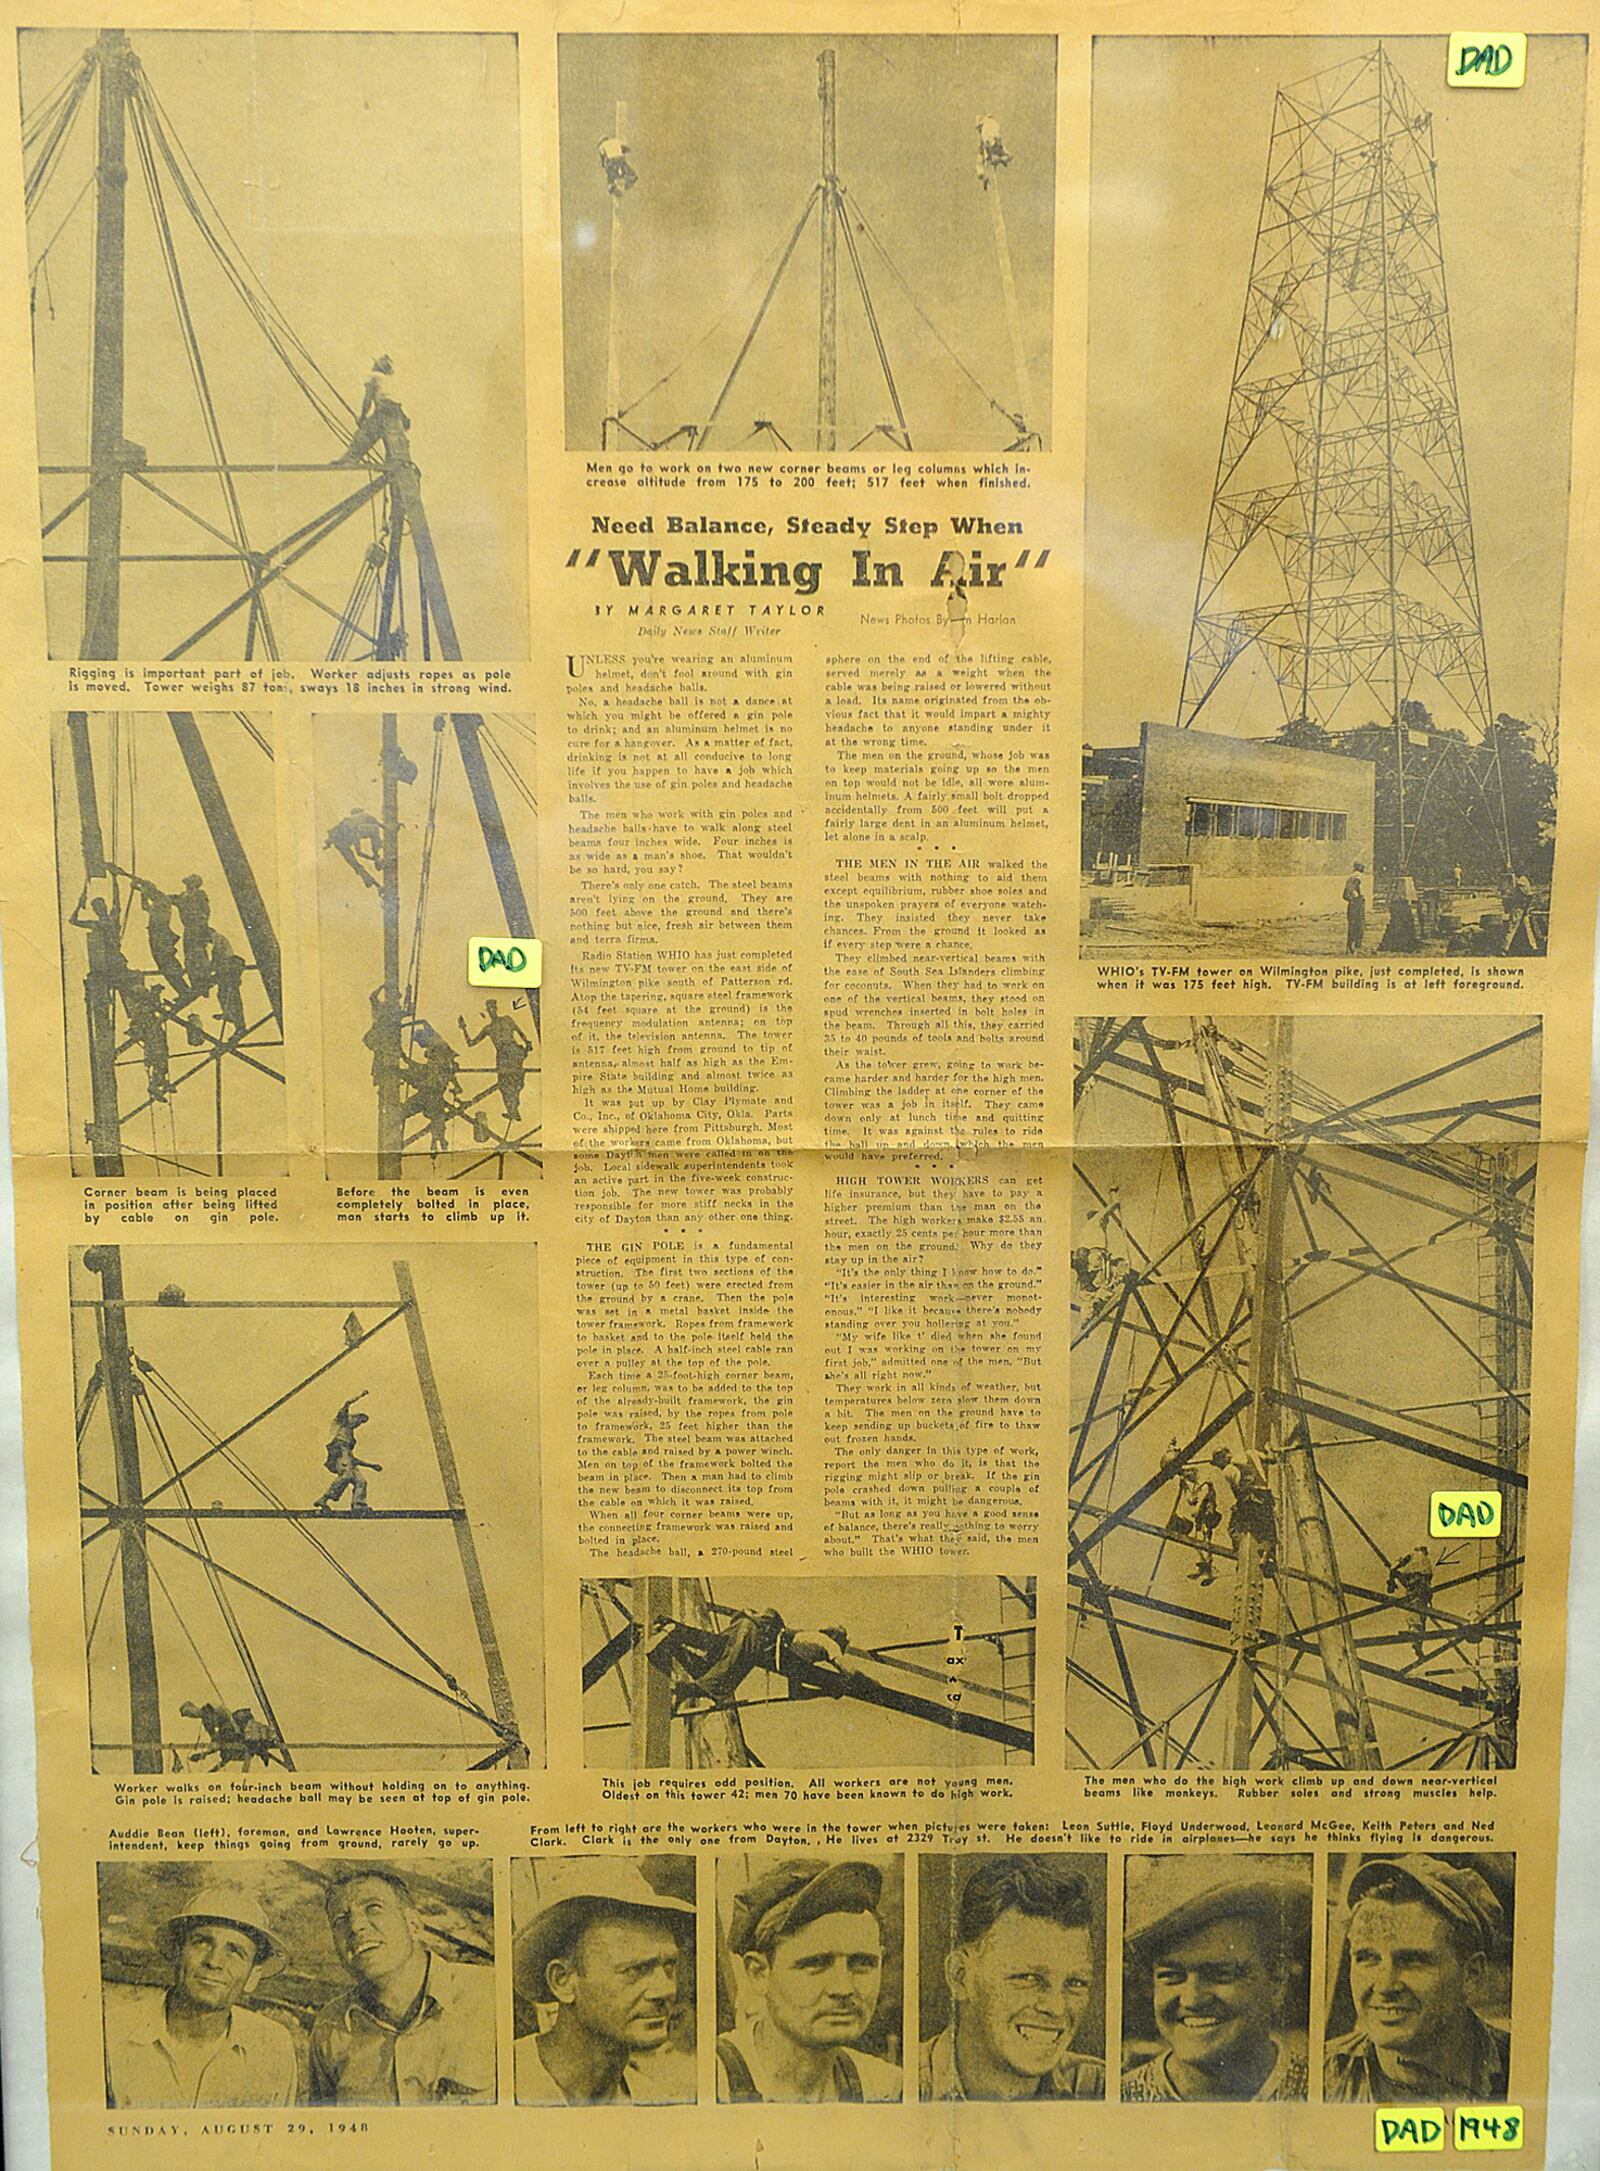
(992, 152)
(511, 1046)
(357, 837)
(382, 415)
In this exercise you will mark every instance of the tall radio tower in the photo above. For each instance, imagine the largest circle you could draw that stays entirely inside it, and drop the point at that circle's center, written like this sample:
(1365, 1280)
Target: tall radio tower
(1339, 545)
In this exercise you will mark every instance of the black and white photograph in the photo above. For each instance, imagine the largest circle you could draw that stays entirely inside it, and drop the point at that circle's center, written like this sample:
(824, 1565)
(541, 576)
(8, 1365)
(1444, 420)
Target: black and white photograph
(823, 1672)
(172, 974)
(810, 1977)
(1325, 556)
(1012, 1992)
(261, 1982)
(427, 840)
(1267, 1213)
(1216, 1972)
(861, 235)
(309, 1480)
(604, 1978)
(1419, 1978)
(277, 343)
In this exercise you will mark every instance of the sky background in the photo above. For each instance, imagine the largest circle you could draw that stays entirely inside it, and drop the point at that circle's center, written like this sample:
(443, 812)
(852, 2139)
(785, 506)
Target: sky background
(1181, 128)
(229, 1365)
(373, 183)
(724, 132)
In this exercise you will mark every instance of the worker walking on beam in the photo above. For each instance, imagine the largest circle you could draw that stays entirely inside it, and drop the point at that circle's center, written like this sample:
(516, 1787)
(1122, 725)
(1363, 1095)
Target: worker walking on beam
(512, 1048)
(343, 1461)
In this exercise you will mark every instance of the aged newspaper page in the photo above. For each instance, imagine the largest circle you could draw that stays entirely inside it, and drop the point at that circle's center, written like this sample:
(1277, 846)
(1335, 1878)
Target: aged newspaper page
(797, 961)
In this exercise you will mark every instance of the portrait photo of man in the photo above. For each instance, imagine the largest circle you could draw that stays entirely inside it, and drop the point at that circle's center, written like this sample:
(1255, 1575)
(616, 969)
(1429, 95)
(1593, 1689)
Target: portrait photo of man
(811, 1987)
(1011, 1952)
(604, 1966)
(1216, 1960)
(198, 2041)
(1419, 1949)
(412, 2025)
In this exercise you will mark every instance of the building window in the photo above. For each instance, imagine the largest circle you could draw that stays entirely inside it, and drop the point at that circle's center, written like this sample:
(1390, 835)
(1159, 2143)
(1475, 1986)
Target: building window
(1230, 818)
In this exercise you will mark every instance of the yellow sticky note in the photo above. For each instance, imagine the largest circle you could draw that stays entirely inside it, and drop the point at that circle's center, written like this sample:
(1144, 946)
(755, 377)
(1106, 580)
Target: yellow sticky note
(1494, 2125)
(1410, 2132)
(1487, 60)
(504, 961)
(1464, 1515)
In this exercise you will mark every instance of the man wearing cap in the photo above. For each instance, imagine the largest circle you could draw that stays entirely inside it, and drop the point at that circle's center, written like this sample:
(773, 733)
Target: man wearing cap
(606, 1950)
(1355, 910)
(807, 1937)
(1419, 1936)
(1218, 1949)
(196, 2044)
(413, 2027)
(1021, 1971)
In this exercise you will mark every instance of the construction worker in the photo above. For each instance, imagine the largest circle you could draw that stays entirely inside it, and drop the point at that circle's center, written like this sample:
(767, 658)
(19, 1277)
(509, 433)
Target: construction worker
(1412, 1578)
(107, 965)
(383, 1034)
(749, 1641)
(511, 1046)
(341, 1458)
(227, 981)
(194, 913)
(1209, 1486)
(615, 164)
(382, 416)
(233, 1737)
(992, 152)
(349, 835)
(147, 1025)
(434, 1094)
(1355, 910)
(1255, 1513)
(161, 934)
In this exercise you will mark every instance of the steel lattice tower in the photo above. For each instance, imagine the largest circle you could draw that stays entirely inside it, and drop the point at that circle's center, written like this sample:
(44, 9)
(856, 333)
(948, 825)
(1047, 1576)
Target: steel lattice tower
(1339, 544)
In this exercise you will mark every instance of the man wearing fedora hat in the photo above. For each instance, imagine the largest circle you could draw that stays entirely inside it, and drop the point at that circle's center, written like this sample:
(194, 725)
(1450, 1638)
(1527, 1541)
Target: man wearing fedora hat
(606, 1950)
(1419, 1936)
(807, 1937)
(197, 2043)
(1218, 1942)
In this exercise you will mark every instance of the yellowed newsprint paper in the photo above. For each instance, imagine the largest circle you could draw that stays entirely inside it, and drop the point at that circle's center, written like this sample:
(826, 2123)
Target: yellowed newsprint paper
(797, 965)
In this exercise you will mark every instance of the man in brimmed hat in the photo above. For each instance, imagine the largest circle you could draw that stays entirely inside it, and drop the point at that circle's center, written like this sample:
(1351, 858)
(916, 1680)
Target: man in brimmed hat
(606, 1950)
(809, 1943)
(197, 2043)
(1218, 1942)
(1419, 1935)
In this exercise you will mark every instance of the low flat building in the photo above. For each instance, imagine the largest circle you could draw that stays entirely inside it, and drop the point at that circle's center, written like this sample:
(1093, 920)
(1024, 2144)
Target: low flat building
(1227, 829)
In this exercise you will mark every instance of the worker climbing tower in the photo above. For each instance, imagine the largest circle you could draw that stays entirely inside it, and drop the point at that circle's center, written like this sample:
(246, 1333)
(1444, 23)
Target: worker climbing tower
(1250, 1478)
(1338, 576)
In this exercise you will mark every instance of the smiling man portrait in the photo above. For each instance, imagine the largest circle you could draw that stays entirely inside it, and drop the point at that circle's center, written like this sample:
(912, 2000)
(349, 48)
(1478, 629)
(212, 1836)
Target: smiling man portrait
(1021, 1974)
(413, 2027)
(1216, 1942)
(1421, 1934)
